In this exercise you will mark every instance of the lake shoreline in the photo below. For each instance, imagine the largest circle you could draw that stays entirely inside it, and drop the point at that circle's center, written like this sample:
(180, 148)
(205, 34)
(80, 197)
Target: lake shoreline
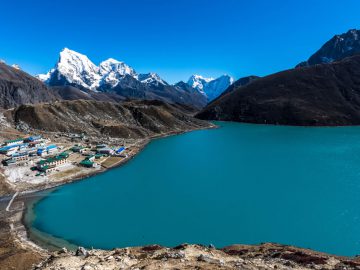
(262, 255)
(15, 224)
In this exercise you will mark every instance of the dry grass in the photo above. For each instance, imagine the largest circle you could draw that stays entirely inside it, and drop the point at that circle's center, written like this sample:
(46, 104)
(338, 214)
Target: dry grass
(12, 255)
(64, 174)
(111, 161)
(4, 187)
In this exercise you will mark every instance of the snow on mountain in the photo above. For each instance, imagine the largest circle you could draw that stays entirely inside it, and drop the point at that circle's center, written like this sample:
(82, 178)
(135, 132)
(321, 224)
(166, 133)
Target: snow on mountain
(216, 87)
(151, 78)
(198, 82)
(45, 77)
(76, 69)
(115, 66)
(210, 87)
(112, 71)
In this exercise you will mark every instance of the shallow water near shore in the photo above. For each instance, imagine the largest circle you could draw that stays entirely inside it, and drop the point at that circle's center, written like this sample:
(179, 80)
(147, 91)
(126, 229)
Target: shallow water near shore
(241, 183)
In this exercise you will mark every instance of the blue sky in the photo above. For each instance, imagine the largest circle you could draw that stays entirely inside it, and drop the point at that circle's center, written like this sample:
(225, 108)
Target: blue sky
(175, 38)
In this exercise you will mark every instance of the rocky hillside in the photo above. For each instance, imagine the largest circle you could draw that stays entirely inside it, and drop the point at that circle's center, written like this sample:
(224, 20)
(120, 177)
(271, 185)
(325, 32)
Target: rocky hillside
(337, 48)
(265, 256)
(18, 87)
(133, 119)
(327, 94)
(73, 93)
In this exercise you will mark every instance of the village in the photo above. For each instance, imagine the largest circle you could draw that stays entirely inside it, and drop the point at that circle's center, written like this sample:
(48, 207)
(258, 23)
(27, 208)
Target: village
(39, 161)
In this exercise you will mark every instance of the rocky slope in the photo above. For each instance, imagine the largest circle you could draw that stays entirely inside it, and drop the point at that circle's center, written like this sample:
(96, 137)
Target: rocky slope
(132, 119)
(73, 93)
(327, 94)
(265, 256)
(339, 47)
(240, 83)
(18, 87)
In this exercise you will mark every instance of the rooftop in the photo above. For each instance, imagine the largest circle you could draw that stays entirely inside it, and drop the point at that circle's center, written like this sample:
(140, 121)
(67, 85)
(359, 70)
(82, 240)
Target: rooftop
(59, 157)
(14, 140)
(86, 162)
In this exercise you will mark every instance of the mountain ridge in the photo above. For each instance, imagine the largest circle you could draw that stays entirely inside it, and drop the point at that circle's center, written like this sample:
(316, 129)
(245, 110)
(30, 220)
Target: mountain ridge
(337, 48)
(320, 95)
(128, 119)
(18, 87)
(77, 70)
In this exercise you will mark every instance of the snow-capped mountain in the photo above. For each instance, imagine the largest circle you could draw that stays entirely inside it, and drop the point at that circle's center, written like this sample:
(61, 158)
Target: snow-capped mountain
(198, 82)
(210, 87)
(337, 48)
(115, 79)
(112, 71)
(77, 70)
(151, 79)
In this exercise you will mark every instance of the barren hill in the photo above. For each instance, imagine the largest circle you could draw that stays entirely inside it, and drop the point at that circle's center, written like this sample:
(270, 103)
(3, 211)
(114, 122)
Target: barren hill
(132, 119)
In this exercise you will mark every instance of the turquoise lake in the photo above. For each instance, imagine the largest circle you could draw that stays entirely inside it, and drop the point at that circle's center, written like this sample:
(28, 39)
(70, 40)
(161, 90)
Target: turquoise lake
(241, 183)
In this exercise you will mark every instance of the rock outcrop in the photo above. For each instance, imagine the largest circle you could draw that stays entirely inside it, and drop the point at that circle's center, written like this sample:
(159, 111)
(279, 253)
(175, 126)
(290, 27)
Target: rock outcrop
(265, 256)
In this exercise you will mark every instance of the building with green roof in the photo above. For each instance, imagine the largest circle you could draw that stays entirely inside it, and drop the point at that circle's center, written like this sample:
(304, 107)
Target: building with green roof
(14, 142)
(52, 162)
(87, 163)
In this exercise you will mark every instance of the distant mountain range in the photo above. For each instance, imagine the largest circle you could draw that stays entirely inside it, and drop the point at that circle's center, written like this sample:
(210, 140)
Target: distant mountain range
(325, 90)
(115, 77)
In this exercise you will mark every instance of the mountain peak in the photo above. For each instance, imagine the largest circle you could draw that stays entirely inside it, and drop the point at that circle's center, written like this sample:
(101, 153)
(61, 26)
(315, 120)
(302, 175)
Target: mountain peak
(67, 54)
(112, 60)
(337, 48)
(198, 82)
(114, 68)
(210, 87)
(77, 69)
(151, 78)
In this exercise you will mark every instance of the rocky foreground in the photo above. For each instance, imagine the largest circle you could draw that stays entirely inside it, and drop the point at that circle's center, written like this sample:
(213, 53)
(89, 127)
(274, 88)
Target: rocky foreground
(265, 256)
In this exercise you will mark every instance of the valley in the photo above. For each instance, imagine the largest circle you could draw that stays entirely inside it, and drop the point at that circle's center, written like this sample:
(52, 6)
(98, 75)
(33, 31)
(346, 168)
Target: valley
(82, 120)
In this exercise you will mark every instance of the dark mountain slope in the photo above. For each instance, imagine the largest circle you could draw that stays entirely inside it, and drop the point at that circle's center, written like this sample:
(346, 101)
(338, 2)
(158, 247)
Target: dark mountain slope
(239, 83)
(172, 94)
(73, 93)
(166, 93)
(135, 119)
(327, 94)
(18, 87)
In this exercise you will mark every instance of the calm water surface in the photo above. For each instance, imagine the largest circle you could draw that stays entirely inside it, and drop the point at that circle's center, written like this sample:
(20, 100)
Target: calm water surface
(241, 183)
